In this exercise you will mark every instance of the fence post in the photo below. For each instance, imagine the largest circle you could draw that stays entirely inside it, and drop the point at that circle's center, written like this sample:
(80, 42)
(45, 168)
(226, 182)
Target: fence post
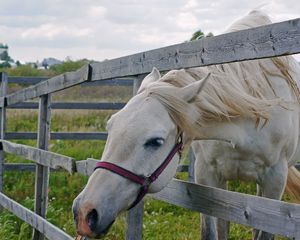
(42, 172)
(134, 228)
(192, 159)
(3, 89)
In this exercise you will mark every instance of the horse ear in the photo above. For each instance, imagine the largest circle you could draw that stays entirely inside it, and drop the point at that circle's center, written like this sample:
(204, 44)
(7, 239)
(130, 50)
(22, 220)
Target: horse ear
(150, 78)
(191, 91)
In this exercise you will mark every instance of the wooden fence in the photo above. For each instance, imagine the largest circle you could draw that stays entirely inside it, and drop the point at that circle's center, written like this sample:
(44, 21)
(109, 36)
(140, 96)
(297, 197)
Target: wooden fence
(269, 215)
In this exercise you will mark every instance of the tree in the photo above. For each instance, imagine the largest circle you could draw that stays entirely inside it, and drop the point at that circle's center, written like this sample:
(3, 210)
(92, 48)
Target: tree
(6, 60)
(199, 34)
(5, 57)
(18, 63)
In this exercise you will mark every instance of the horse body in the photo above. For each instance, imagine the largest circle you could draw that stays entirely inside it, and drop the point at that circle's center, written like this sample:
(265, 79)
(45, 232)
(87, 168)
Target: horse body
(243, 122)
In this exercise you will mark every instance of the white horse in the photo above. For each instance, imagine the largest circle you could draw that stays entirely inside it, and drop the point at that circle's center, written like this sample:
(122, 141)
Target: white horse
(243, 119)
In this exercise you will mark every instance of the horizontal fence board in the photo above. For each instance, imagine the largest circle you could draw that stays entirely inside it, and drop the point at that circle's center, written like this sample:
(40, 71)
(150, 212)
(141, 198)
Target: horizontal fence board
(58, 135)
(45, 158)
(267, 41)
(34, 220)
(282, 218)
(28, 167)
(24, 167)
(70, 105)
(109, 82)
(26, 80)
(86, 167)
(126, 82)
(260, 213)
(54, 84)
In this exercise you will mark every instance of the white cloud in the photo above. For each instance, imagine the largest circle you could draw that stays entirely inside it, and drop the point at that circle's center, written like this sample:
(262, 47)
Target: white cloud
(110, 28)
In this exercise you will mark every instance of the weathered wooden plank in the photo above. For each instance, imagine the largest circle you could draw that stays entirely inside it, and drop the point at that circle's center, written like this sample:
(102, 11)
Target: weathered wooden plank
(134, 226)
(51, 85)
(126, 82)
(26, 80)
(134, 222)
(191, 170)
(22, 167)
(267, 41)
(86, 167)
(20, 135)
(59, 135)
(45, 158)
(3, 90)
(50, 231)
(42, 172)
(109, 82)
(260, 213)
(71, 105)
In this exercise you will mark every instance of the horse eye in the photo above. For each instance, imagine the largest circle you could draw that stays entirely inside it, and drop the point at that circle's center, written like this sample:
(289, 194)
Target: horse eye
(154, 142)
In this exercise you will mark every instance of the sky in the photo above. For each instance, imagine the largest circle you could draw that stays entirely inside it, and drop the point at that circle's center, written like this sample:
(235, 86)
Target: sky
(106, 29)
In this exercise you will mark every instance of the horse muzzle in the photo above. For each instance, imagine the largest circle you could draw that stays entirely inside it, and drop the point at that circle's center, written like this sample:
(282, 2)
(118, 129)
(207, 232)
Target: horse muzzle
(88, 221)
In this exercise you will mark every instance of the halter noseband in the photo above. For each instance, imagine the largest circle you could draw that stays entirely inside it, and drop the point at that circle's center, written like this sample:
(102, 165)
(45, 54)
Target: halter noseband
(142, 180)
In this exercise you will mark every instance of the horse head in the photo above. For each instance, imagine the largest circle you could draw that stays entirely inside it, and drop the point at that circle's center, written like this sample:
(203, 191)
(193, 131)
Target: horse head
(142, 137)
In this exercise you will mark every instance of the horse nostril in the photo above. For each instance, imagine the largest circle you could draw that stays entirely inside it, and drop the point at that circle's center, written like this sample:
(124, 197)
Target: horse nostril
(92, 219)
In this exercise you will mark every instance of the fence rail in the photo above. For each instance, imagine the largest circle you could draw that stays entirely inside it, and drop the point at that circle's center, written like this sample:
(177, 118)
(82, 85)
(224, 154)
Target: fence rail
(108, 82)
(34, 220)
(267, 41)
(257, 212)
(40, 156)
(71, 105)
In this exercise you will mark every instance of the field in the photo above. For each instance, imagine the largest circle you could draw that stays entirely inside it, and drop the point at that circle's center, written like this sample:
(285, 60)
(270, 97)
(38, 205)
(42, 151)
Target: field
(161, 220)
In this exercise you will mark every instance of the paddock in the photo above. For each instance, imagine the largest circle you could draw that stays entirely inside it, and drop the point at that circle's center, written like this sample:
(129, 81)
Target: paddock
(272, 216)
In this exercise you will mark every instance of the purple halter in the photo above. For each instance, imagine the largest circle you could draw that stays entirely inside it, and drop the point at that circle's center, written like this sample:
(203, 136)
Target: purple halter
(142, 180)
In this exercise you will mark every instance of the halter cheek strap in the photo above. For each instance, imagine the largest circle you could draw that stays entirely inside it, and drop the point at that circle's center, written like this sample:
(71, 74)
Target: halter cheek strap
(142, 180)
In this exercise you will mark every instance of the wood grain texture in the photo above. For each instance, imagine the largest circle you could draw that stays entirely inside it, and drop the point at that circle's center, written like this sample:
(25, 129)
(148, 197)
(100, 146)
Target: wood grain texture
(28, 167)
(260, 213)
(3, 90)
(25, 167)
(267, 41)
(108, 82)
(71, 105)
(51, 85)
(45, 158)
(134, 221)
(59, 135)
(86, 167)
(49, 230)
(42, 172)
(191, 170)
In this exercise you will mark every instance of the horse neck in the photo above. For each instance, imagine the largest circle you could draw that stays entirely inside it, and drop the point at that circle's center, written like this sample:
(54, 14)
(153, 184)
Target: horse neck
(233, 132)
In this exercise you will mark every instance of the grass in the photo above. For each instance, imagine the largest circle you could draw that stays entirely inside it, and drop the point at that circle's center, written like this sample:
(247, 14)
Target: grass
(161, 220)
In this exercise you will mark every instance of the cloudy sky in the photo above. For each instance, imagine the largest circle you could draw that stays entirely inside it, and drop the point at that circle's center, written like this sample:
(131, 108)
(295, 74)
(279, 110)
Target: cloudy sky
(105, 29)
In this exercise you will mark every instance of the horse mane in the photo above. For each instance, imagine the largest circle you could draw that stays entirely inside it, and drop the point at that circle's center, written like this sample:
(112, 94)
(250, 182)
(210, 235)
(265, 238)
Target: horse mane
(240, 89)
